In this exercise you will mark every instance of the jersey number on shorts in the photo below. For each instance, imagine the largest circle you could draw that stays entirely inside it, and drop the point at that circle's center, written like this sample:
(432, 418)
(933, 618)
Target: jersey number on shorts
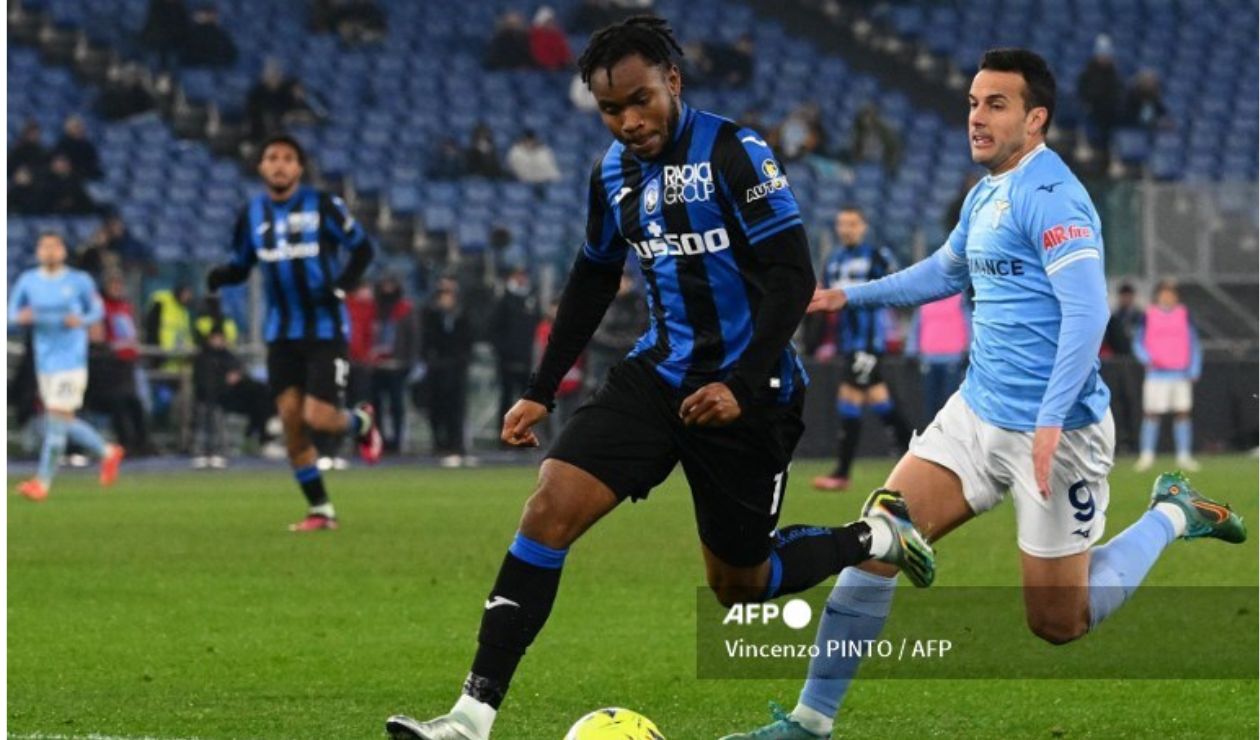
(1082, 499)
(863, 366)
(777, 499)
(341, 372)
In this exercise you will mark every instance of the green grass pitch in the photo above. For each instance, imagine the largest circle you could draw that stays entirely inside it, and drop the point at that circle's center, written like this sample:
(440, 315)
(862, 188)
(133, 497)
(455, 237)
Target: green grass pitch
(176, 605)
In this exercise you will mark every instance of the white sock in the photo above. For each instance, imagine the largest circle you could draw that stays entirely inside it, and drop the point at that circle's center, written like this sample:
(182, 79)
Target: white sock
(812, 719)
(1174, 514)
(324, 510)
(479, 713)
(881, 536)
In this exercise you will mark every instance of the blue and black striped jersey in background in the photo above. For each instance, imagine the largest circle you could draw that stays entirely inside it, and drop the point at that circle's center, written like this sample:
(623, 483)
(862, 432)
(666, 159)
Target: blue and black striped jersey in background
(298, 244)
(695, 217)
(859, 329)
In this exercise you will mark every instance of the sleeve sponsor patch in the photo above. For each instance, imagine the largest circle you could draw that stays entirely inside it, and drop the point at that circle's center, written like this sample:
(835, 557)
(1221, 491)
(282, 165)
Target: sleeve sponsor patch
(1061, 234)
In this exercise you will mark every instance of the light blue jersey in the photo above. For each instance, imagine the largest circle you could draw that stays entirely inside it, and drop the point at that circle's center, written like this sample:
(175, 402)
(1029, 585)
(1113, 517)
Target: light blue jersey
(53, 298)
(1030, 242)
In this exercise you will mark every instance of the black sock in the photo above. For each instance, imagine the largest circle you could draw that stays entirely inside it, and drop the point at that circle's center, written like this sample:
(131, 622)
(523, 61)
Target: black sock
(891, 414)
(850, 433)
(312, 484)
(515, 613)
(802, 556)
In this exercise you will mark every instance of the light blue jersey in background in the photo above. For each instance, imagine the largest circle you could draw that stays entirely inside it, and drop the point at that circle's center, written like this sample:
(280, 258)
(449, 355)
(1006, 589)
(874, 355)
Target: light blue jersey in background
(53, 297)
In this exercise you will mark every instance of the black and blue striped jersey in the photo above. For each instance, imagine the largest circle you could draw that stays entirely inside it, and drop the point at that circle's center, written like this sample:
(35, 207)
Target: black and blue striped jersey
(859, 329)
(695, 217)
(298, 245)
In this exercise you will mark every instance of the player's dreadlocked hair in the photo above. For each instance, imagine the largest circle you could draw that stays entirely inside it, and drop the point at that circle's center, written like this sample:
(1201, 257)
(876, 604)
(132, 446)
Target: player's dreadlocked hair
(646, 35)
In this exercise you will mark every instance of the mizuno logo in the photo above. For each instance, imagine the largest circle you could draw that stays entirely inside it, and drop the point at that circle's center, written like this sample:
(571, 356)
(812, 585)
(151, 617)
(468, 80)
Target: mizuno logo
(624, 192)
(262, 228)
(500, 601)
(1050, 188)
(753, 140)
(1083, 532)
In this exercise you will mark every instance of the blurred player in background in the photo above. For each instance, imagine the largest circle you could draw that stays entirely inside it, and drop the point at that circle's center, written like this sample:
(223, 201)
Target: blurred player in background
(59, 303)
(860, 345)
(1167, 345)
(1032, 417)
(714, 383)
(297, 234)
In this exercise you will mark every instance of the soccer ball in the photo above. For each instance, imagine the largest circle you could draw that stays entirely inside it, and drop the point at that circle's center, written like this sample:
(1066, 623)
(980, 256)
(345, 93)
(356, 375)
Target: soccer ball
(614, 723)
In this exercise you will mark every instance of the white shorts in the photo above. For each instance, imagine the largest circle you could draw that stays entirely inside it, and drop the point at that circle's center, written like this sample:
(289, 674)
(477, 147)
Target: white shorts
(63, 391)
(991, 461)
(1167, 396)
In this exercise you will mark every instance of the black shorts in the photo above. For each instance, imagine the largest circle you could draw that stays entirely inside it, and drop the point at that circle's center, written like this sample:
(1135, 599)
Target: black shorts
(318, 368)
(629, 436)
(861, 369)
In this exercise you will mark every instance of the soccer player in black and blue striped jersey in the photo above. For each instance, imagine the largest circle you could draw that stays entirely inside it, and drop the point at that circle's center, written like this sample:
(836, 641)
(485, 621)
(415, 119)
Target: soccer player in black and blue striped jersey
(713, 384)
(297, 234)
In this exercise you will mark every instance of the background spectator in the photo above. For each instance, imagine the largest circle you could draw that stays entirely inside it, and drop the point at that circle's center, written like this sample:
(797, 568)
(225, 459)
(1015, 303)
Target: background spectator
(482, 156)
(165, 31)
(511, 333)
(735, 63)
(24, 195)
(1167, 345)
(447, 162)
(168, 325)
(361, 307)
(1102, 93)
(800, 134)
(446, 346)
(508, 48)
(548, 46)
(29, 151)
(874, 139)
(395, 340)
(531, 160)
(211, 367)
(276, 102)
(1125, 377)
(355, 21)
(125, 94)
(75, 146)
(1144, 103)
(939, 336)
(208, 45)
(62, 191)
(112, 386)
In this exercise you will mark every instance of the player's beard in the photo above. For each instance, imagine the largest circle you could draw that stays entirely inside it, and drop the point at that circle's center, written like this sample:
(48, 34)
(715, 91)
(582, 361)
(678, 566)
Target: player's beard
(277, 188)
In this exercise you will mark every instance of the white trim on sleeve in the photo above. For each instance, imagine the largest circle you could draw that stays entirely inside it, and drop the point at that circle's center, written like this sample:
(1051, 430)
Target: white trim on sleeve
(1067, 259)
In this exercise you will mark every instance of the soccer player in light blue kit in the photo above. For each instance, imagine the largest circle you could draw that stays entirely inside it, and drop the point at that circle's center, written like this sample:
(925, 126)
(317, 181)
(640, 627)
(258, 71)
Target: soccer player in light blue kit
(1032, 416)
(59, 304)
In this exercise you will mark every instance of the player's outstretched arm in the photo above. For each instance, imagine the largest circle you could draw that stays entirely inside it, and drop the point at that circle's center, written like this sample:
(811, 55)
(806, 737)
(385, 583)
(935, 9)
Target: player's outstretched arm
(939, 276)
(827, 300)
(591, 288)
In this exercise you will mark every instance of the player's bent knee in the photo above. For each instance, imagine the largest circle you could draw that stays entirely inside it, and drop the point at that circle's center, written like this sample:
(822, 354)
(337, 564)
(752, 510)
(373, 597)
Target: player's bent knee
(730, 593)
(549, 521)
(1057, 630)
